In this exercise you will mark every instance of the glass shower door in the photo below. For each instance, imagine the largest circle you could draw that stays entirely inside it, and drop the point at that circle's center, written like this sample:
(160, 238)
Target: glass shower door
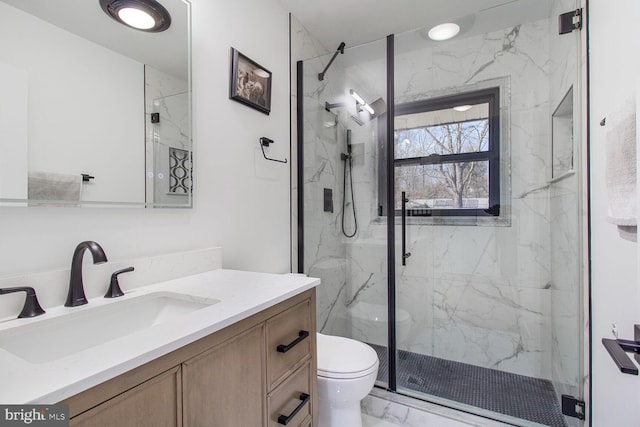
(487, 235)
(344, 241)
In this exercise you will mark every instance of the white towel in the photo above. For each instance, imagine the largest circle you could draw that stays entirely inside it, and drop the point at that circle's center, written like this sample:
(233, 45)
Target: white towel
(54, 186)
(621, 169)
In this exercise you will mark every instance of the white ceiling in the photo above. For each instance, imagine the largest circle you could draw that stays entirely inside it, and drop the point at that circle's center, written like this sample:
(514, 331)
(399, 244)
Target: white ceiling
(166, 51)
(360, 21)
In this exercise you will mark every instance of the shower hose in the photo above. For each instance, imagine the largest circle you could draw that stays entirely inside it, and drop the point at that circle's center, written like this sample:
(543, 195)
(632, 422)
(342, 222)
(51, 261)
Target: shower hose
(347, 159)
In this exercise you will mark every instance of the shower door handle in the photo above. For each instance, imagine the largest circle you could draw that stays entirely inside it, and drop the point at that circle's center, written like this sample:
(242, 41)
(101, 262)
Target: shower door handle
(405, 254)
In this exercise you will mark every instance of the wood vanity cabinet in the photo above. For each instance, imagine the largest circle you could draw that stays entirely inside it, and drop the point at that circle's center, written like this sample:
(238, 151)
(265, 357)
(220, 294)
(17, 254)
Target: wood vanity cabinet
(260, 371)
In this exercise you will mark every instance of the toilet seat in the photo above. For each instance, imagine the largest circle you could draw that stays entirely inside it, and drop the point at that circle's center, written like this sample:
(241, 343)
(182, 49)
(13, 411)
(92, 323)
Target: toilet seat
(344, 358)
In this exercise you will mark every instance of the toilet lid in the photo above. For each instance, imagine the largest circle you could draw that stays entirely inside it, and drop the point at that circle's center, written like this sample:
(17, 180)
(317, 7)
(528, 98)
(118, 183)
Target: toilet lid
(340, 357)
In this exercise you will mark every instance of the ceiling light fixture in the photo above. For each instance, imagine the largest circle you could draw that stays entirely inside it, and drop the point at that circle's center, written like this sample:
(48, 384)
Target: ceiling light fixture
(463, 108)
(361, 102)
(143, 15)
(444, 31)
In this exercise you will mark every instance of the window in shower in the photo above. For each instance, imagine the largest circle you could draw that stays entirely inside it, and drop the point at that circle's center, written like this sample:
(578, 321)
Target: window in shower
(446, 156)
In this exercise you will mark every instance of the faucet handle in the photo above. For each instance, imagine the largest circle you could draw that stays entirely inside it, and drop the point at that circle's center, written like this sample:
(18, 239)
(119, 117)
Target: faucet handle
(31, 306)
(114, 287)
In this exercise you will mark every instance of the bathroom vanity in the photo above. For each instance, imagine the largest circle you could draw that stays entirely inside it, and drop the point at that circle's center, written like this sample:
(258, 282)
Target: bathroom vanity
(229, 378)
(245, 358)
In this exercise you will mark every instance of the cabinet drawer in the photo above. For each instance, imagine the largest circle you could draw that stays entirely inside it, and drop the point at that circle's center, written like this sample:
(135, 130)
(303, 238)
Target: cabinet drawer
(287, 344)
(154, 403)
(292, 402)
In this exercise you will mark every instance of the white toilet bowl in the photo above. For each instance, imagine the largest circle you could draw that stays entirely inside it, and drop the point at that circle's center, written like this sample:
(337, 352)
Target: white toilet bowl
(347, 371)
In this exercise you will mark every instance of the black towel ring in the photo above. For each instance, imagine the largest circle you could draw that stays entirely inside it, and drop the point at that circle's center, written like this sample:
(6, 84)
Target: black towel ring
(265, 142)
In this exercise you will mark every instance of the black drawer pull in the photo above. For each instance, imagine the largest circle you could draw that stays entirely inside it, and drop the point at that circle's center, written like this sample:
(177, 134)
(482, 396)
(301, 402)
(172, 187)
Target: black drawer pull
(301, 336)
(304, 399)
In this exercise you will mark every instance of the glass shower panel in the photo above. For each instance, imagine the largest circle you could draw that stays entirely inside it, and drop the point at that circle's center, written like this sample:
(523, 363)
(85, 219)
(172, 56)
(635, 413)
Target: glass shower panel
(345, 242)
(488, 252)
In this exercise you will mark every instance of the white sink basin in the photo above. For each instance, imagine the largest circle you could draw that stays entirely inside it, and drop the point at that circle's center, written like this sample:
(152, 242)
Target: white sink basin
(51, 339)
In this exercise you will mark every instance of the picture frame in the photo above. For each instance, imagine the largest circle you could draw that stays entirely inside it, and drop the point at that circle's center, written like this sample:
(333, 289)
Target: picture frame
(250, 83)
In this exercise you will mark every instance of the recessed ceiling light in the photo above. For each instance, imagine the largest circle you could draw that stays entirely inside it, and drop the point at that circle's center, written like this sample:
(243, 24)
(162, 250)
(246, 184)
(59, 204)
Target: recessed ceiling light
(144, 15)
(462, 108)
(444, 31)
(136, 18)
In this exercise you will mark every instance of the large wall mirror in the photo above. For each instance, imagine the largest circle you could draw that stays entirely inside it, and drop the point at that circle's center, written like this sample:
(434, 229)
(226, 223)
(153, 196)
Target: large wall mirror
(93, 112)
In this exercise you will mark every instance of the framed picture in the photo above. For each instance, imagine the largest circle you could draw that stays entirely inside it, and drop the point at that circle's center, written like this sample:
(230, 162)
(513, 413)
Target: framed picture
(250, 83)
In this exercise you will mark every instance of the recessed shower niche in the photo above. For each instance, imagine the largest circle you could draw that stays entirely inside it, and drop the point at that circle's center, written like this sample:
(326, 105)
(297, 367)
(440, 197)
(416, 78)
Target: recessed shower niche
(562, 137)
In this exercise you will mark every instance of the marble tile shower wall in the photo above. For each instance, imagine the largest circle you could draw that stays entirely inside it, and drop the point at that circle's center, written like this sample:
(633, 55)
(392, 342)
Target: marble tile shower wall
(475, 294)
(303, 46)
(324, 248)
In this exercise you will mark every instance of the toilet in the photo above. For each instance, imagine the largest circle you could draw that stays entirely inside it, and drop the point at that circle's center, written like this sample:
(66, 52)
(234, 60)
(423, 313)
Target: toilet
(347, 371)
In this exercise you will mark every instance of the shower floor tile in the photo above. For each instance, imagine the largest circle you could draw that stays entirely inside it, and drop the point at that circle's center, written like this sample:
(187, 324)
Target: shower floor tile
(515, 395)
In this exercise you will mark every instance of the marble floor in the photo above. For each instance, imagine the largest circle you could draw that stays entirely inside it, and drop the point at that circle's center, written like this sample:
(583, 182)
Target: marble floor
(369, 421)
(384, 409)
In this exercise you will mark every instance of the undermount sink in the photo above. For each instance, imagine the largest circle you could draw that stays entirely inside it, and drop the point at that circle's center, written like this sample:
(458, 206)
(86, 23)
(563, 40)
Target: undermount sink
(51, 339)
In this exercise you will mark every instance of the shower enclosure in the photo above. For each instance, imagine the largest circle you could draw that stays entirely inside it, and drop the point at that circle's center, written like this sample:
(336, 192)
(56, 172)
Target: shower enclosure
(439, 200)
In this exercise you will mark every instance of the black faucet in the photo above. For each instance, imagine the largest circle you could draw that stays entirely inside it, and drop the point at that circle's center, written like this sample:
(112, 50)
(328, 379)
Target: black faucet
(76, 295)
(114, 290)
(31, 307)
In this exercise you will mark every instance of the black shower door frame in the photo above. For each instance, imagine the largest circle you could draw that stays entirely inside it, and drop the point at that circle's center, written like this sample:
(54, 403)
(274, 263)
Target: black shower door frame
(390, 174)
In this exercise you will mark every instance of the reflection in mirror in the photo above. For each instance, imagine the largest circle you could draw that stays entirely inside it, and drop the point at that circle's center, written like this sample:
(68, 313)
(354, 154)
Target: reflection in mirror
(92, 96)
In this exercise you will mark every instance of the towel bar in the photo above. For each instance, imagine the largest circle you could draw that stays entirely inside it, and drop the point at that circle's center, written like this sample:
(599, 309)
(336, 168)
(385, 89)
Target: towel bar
(618, 348)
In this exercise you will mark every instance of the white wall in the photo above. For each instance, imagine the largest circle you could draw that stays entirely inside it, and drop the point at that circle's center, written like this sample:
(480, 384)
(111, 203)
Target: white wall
(14, 122)
(241, 200)
(85, 106)
(615, 294)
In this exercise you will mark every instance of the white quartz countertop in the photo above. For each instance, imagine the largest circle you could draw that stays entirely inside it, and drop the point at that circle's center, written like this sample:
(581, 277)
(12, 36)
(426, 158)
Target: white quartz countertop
(241, 294)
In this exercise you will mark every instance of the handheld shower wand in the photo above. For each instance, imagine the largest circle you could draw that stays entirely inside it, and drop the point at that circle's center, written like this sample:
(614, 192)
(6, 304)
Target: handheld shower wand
(347, 158)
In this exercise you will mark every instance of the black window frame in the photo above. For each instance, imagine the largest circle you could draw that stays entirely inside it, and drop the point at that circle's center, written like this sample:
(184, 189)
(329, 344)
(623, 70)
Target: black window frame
(490, 96)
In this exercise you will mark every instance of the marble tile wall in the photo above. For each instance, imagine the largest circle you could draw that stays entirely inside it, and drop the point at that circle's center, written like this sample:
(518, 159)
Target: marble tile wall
(323, 139)
(476, 294)
(303, 46)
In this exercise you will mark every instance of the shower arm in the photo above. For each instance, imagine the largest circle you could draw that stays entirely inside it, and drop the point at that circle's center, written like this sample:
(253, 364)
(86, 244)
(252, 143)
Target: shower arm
(339, 50)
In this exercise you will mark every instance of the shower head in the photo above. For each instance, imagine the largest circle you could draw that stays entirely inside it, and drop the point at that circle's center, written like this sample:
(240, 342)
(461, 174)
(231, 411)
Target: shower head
(341, 47)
